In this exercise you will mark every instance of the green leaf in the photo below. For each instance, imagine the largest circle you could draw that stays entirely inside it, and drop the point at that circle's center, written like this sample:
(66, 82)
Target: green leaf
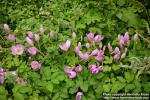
(107, 69)
(18, 96)
(129, 87)
(49, 87)
(129, 76)
(108, 60)
(84, 86)
(115, 67)
(107, 87)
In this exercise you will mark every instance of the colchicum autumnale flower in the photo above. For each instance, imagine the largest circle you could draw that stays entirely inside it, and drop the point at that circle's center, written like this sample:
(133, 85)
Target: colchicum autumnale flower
(6, 27)
(32, 50)
(65, 46)
(35, 65)
(11, 37)
(17, 50)
(29, 41)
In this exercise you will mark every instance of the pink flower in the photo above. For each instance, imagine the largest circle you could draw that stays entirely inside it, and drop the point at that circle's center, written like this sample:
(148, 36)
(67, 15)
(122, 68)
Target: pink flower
(6, 27)
(2, 80)
(109, 47)
(136, 37)
(126, 37)
(65, 46)
(117, 51)
(94, 69)
(98, 38)
(79, 44)
(90, 36)
(42, 29)
(119, 37)
(87, 45)
(100, 56)
(72, 74)
(121, 41)
(95, 52)
(36, 37)
(116, 57)
(11, 37)
(78, 68)
(1, 72)
(32, 50)
(29, 41)
(35, 65)
(78, 96)
(30, 35)
(74, 35)
(100, 68)
(85, 56)
(77, 50)
(17, 50)
(68, 69)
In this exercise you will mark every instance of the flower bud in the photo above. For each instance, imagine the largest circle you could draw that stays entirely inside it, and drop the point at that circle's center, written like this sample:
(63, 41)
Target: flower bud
(29, 41)
(11, 37)
(36, 37)
(87, 45)
(6, 27)
(73, 35)
(78, 68)
(136, 37)
(30, 35)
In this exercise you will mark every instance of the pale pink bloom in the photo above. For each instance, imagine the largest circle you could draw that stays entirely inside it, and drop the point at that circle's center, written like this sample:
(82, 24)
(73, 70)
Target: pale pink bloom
(77, 50)
(30, 35)
(29, 41)
(78, 96)
(11, 72)
(90, 36)
(6, 27)
(126, 37)
(65, 46)
(124, 54)
(78, 68)
(136, 37)
(95, 52)
(21, 81)
(116, 57)
(84, 56)
(72, 74)
(11, 37)
(121, 41)
(36, 37)
(17, 50)
(79, 44)
(2, 79)
(68, 69)
(1, 72)
(104, 47)
(87, 45)
(32, 50)
(98, 38)
(42, 29)
(74, 35)
(35, 65)
(117, 51)
(110, 47)
(100, 45)
(51, 34)
(119, 37)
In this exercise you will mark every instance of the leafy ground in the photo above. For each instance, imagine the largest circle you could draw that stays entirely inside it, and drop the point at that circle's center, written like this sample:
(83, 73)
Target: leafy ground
(60, 18)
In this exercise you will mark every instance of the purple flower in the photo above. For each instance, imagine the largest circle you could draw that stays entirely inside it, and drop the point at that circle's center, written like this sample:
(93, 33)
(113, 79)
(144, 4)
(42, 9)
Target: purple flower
(100, 68)
(72, 74)
(78, 96)
(1, 79)
(95, 52)
(6, 27)
(87, 45)
(68, 69)
(121, 41)
(78, 68)
(42, 29)
(98, 38)
(84, 56)
(100, 56)
(126, 37)
(30, 35)
(116, 57)
(11, 37)
(17, 50)
(35, 65)
(29, 41)
(1, 72)
(77, 50)
(90, 36)
(32, 50)
(93, 69)
(136, 37)
(65, 46)
(109, 47)
(74, 35)
(36, 37)
(117, 51)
